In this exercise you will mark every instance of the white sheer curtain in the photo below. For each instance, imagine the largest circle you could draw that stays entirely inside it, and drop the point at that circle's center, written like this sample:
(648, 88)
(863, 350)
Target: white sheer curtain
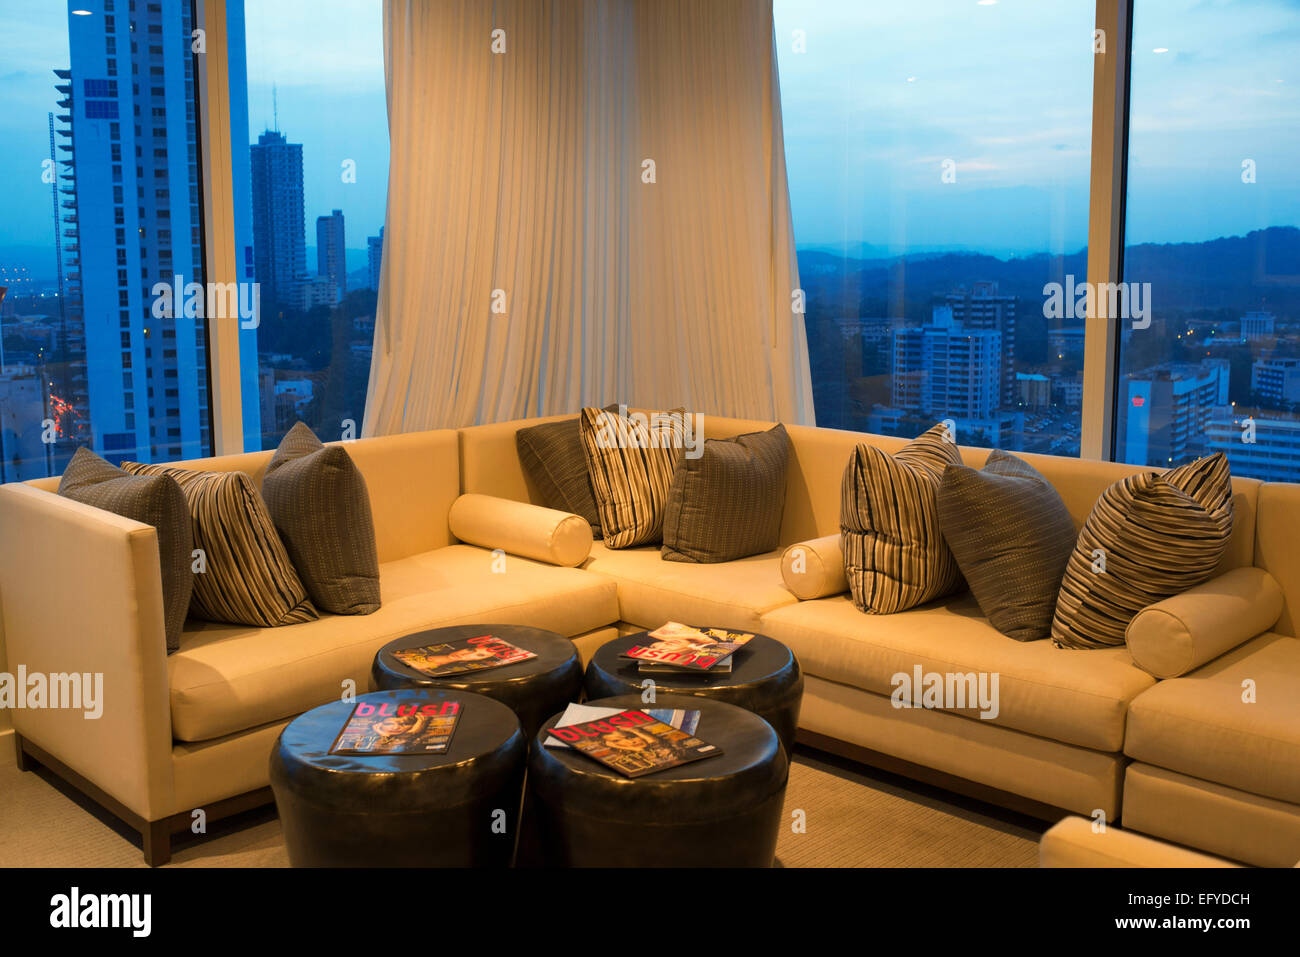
(529, 269)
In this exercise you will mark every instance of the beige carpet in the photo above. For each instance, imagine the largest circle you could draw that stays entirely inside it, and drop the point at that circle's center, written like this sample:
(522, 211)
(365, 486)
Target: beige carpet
(853, 817)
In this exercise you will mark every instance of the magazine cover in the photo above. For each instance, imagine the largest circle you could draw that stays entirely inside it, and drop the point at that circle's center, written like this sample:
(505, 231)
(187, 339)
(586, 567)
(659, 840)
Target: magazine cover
(635, 743)
(398, 728)
(683, 647)
(462, 657)
(643, 667)
(685, 719)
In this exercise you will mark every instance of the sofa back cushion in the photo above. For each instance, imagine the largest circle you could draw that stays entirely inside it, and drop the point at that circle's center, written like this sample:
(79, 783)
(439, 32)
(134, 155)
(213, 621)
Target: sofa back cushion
(246, 576)
(489, 456)
(318, 500)
(154, 500)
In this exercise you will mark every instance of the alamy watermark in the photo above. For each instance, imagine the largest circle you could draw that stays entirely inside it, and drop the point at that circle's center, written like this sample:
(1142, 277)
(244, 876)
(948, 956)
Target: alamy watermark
(213, 300)
(653, 430)
(72, 691)
(1122, 300)
(953, 691)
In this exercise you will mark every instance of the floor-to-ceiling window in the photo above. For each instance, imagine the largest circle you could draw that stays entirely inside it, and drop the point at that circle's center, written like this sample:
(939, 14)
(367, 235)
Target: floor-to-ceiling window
(310, 144)
(1211, 362)
(100, 237)
(938, 157)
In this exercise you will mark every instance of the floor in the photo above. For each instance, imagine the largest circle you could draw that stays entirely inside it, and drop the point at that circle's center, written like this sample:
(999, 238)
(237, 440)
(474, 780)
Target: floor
(853, 817)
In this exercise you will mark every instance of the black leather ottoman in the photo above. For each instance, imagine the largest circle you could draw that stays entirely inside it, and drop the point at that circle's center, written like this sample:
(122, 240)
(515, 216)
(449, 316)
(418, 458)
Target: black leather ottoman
(455, 809)
(765, 679)
(724, 811)
(534, 689)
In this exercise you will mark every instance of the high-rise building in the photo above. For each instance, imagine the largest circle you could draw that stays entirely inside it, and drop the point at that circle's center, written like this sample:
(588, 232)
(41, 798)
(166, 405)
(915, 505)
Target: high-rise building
(375, 251)
(131, 221)
(982, 308)
(1263, 448)
(1276, 380)
(1164, 412)
(946, 370)
(279, 243)
(331, 251)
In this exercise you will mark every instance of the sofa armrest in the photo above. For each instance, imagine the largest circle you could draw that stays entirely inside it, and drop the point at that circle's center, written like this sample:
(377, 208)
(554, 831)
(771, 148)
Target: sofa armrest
(81, 593)
(815, 569)
(530, 531)
(1173, 636)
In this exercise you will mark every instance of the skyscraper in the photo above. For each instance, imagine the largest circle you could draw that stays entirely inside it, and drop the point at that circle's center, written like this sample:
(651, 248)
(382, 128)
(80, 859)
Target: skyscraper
(375, 251)
(279, 244)
(331, 251)
(982, 308)
(131, 221)
(946, 370)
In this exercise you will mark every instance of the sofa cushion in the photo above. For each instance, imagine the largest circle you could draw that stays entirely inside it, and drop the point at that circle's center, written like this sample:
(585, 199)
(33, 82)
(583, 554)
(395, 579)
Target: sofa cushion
(631, 459)
(1012, 536)
(225, 679)
(153, 500)
(652, 591)
(551, 454)
(1075, 697)
(1149, 536)
(1190, 629)
(245, 575)
(317, 498)
(815, 568)
(1234, 721)
(726, 503)
(894, 553)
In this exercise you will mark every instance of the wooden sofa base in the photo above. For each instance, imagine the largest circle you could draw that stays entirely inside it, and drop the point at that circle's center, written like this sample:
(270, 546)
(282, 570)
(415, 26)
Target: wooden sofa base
(155, 836)
(940, 779)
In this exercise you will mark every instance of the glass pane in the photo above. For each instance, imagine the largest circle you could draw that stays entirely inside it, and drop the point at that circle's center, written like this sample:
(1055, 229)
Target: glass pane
(310, 211)
(101, 225)
(938, 161)
(1211, 237)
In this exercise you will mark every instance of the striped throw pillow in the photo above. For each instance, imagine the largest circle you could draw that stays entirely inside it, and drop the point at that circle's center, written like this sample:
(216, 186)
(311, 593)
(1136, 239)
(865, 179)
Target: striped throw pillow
(631, 459)
(247, 578)
(1150, 536)
(895, 556)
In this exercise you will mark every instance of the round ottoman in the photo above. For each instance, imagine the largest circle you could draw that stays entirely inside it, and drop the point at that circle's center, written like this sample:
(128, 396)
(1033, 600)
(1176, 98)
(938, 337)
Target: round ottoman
(534, 689)
(455, 809)
(723, 811)
(765, 679)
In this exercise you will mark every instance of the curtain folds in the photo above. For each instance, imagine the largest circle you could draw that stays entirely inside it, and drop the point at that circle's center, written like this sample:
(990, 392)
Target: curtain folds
(528, 266)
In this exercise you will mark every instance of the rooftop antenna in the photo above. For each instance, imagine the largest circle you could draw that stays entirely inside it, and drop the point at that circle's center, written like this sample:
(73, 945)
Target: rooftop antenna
(275, 110)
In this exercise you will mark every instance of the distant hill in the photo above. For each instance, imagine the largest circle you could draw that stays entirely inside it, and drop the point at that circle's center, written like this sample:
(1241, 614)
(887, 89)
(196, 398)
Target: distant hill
(1258, 270)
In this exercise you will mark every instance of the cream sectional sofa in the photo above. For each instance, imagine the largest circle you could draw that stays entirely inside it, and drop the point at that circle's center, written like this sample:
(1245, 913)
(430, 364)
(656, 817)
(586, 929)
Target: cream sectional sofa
(1086, 732)
(81, 592)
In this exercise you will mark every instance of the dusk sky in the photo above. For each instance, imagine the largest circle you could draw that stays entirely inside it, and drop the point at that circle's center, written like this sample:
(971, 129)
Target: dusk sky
(884, 94)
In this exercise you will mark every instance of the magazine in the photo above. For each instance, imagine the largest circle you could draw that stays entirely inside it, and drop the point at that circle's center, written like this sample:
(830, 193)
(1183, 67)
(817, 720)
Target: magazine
(686, 648)
(463, 656)
(398, 727)
(723, 667)
(685, 719)
(635, 743)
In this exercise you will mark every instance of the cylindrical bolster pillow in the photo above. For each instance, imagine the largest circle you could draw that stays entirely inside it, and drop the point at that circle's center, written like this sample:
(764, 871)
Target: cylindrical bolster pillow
(815, 569)
(1173, 636)
(530, 531)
